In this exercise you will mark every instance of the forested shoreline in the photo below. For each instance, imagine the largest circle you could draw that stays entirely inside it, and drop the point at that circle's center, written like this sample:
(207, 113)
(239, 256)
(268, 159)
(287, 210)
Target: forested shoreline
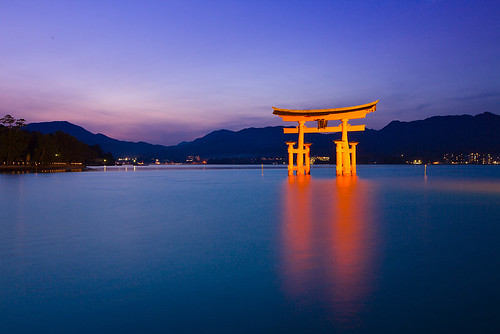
(22, 148)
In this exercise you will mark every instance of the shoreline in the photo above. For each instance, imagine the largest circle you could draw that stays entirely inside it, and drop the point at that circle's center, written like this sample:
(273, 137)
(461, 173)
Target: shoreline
(43, 168)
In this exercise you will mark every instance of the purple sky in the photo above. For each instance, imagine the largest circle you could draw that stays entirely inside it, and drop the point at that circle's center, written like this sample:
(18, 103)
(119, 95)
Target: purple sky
(167, 71)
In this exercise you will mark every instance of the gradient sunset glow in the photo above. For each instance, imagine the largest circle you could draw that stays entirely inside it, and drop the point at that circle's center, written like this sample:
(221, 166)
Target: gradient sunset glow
(167, 71)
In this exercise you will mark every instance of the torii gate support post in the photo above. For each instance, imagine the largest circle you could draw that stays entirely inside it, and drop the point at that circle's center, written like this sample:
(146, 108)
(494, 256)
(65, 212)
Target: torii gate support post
(308, 158)
(338, 150)
(353, 157)
(290, 157)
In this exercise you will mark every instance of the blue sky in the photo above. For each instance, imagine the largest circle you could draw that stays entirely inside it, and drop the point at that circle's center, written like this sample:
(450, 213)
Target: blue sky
(167, 71)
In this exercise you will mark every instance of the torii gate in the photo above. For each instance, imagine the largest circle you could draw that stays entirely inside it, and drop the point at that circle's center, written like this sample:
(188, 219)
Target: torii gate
(346, 155)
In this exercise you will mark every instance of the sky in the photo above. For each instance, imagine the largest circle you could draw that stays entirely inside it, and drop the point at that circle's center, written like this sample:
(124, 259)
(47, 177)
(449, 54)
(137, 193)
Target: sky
(170, 71)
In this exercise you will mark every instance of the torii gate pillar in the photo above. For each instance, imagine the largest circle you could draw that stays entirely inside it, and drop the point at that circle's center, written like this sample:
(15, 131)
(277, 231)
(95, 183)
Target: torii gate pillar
(346, 152)
(302, 154)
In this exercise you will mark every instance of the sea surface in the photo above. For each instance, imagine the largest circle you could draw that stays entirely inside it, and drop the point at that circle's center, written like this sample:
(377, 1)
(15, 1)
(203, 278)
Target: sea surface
(242, 249)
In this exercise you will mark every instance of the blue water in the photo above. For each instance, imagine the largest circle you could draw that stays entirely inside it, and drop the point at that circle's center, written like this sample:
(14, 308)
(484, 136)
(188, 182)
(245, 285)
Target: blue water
(238, 250)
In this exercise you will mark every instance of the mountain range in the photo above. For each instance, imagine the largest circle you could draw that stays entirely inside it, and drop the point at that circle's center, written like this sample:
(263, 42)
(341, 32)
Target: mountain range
(398, 141)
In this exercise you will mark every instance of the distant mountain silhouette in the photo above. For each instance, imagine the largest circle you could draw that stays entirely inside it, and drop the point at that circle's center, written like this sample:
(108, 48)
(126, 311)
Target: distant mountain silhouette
(118, 148)
(396, 142)
(432, 137)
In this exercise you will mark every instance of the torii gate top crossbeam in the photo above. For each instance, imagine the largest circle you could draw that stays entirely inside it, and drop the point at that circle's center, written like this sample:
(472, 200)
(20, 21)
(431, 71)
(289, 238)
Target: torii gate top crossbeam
(353, 112)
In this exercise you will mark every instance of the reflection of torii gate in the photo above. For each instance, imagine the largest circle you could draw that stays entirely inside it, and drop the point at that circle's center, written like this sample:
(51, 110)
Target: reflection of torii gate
(346, 152)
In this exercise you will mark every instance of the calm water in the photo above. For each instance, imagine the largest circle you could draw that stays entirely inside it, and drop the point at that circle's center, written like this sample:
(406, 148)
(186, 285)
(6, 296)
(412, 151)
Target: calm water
(178, 250)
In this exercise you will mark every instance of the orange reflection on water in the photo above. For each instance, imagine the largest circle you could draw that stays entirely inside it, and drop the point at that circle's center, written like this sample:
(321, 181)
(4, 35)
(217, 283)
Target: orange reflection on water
(328, 242)
(297, 229)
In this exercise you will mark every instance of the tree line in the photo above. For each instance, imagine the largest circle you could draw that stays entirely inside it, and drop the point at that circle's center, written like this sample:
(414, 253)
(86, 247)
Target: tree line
(20, 146)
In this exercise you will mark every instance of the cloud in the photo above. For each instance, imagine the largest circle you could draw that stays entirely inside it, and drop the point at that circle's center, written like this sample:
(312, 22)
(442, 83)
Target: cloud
(477, 96)
(423, 106)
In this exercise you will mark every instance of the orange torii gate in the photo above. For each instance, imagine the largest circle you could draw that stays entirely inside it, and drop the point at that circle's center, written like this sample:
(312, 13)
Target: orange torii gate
(346, 152)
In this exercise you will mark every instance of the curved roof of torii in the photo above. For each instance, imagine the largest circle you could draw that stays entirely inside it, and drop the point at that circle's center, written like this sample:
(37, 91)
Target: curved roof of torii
(366, 108)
